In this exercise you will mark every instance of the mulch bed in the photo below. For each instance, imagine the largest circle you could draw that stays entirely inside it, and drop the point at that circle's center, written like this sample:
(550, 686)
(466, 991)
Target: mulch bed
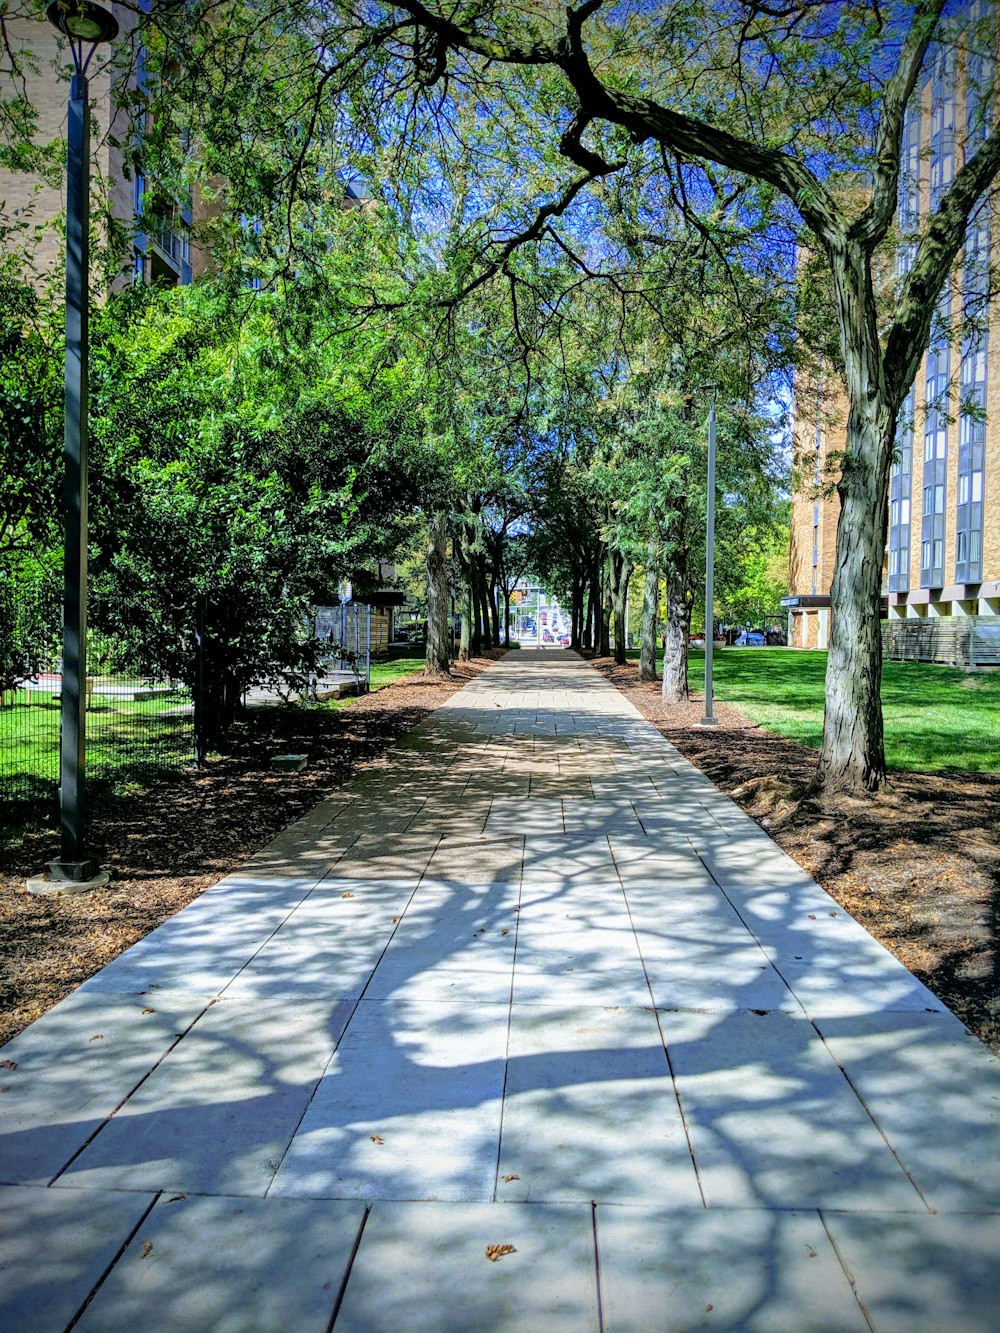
(171, 841)
(919, 867)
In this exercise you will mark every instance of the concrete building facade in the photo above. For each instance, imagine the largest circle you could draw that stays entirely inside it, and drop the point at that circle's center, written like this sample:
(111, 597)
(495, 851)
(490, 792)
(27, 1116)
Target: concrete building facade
(158, 252)
(942, 556)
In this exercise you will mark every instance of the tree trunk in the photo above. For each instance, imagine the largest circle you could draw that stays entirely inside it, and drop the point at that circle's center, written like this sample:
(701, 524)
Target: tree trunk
(506, 617)
(650, 601)
(590, 621)
(852, 758)
(494, 612)
(675, 652)
(438, 655)
(484, 606)
(604, 608)
(465, 634)
(621, 572)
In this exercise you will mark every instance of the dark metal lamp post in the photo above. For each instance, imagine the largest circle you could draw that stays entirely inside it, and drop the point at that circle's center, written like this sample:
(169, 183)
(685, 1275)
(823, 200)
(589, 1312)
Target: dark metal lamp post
(87, 26)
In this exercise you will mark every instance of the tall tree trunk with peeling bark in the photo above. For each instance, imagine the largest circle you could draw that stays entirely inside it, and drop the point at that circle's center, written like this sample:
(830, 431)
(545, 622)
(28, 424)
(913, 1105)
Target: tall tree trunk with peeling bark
(438, 654)
(620, 573)
(675, 652)
(650, 607)
(463, 545)
(852, 758)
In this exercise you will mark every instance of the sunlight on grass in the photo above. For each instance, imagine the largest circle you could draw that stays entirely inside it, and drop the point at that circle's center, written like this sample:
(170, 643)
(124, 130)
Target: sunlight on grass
(386, 671)
(935, 717)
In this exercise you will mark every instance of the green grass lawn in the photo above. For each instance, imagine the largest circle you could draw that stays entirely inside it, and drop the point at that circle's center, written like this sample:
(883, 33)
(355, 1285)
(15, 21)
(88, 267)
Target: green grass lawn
(399, 663)
(120, 734)
(935, 717)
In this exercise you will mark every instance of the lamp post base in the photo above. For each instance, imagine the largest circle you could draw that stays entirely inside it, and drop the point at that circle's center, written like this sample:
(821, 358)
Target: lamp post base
(69, 877)
(707, 722)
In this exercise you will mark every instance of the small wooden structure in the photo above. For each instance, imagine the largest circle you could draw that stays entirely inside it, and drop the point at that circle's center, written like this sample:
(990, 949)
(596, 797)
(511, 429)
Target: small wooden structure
(960, 641)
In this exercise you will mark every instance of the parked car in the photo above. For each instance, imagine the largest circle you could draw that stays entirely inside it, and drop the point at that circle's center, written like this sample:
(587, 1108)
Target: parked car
(752, 638)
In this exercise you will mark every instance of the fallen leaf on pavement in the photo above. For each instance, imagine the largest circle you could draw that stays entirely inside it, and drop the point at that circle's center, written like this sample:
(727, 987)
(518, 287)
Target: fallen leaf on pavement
(8, 1064)
(508, 1179)
(376, 1138)
(347, 894)
(495, 1252)
(147, 1250)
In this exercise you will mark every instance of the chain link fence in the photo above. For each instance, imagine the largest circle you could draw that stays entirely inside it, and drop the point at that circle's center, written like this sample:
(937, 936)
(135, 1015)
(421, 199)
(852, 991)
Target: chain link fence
(138, 725)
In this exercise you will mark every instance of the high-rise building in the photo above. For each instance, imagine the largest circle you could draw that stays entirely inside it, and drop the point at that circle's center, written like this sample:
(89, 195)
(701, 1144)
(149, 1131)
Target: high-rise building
(942, 556)
(160, 252)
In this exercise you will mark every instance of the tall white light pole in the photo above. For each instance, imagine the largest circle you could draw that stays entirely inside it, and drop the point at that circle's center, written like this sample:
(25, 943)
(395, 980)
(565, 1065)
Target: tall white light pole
(710, 720)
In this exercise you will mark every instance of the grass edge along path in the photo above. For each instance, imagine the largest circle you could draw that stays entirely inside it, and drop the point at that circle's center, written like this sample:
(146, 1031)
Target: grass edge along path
(937, 718)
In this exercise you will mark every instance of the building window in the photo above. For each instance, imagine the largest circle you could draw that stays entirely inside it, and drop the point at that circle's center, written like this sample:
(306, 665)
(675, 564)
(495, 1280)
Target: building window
(899, 500)
(925, 555)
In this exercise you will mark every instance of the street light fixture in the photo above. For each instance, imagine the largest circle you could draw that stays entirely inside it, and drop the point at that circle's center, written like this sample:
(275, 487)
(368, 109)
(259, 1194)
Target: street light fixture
(87, 26)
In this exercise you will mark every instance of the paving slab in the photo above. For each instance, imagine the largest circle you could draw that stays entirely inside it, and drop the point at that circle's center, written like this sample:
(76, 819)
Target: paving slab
(746, 1269)
(590, 1111)
(64, 1076)
(934, 1091)
(409, 1107)
(773, 1121)
(232, 1265)
(217, 1115)
(922, 1274)
(55, 1247)
(423, 1267)
(527, 980)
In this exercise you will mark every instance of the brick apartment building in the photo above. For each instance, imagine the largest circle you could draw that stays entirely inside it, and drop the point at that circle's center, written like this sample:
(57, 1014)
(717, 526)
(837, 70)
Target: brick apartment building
(942, 556)
(162, 253)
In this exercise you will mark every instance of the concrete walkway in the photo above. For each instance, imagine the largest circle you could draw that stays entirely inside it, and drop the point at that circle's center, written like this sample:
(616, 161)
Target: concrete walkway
(531, 982)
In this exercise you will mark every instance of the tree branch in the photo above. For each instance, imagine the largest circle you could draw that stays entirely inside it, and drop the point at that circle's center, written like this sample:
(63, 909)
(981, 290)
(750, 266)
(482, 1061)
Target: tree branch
(875, 221)
(933, 261)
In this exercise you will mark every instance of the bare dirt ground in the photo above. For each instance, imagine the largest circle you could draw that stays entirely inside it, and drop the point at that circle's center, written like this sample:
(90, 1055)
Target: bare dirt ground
(919, 867)
(169, 843)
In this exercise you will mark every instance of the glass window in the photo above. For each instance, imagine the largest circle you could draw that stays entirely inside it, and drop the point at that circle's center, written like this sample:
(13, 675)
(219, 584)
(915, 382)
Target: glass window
(975, 546)
(938, 554)
(894, 514)
(963, 489)
(962, 548)
(925, 555)
(893, 562)
(977, 487)
(904, 517)
(928, 499)
(939, 499)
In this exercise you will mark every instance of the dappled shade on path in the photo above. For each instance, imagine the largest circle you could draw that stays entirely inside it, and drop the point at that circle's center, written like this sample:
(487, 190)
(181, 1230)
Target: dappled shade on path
(529, 981)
